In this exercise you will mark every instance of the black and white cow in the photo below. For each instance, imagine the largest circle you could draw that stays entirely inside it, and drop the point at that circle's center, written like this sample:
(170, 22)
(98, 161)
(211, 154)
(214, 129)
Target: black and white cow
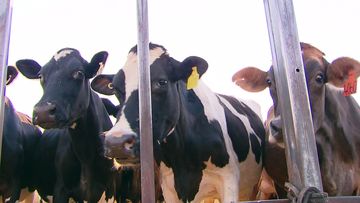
(206, 145)
(82, 171)
(336, 120)
(19, 141)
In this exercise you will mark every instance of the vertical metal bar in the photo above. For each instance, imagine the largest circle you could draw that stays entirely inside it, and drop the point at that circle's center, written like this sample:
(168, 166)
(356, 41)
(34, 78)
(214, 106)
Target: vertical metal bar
(146, 136)
(301, 152)
(5, 27)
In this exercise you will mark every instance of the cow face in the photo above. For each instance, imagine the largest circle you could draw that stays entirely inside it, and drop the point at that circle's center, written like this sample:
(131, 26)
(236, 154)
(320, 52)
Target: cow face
(318, 73)
(122, 141)
(66, 87)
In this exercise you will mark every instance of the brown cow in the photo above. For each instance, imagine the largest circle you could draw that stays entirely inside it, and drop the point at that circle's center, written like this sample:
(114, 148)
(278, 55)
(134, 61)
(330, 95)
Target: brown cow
(336, 119)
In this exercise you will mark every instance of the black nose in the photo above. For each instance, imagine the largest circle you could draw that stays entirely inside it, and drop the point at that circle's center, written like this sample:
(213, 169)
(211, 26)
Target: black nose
(276, 128)
(120, 147)
(44, 113)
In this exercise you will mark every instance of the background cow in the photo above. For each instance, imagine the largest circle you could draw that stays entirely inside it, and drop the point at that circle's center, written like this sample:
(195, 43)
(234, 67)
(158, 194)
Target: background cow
(206, 144)
(82, 171)
(19, 141)
(336, 118)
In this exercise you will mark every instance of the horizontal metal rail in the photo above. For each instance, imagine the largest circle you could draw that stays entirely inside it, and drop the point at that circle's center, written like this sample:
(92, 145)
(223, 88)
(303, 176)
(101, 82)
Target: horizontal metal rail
(339, 199)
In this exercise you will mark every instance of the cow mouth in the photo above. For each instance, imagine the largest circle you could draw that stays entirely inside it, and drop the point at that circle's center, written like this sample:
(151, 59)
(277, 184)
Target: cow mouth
(54, 124)
(128, 162)
(121, 154)
(47, 125)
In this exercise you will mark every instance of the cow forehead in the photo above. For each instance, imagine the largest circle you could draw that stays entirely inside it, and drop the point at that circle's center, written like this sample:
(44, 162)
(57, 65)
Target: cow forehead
(131, 70)
(62, 53)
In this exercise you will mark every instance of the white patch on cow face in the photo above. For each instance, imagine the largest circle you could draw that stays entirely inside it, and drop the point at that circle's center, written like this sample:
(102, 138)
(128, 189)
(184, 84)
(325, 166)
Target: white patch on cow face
(334, 88)
(62, 54)
(131, 73)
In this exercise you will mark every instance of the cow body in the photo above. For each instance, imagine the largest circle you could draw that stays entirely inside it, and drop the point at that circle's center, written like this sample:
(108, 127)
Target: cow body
(19, 141)
(335, 119)
(206, 145)
(82, 171)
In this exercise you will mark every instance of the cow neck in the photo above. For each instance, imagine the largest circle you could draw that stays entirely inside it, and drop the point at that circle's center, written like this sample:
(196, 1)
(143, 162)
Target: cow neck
(193, 134)
(12, 123)
(85, 135)
(197, 139)
(341, 122)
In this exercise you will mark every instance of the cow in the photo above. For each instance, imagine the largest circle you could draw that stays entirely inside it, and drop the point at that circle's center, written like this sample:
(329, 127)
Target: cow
(19, 140)
(335, 119)
(206, 145)
(68, 102)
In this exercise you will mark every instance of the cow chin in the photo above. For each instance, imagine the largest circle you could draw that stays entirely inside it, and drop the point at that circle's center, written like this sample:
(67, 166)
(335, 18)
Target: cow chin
(48, 125)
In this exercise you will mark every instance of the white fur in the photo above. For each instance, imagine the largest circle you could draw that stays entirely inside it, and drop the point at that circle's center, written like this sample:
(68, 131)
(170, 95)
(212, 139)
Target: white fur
(62, 54)
(253, 105)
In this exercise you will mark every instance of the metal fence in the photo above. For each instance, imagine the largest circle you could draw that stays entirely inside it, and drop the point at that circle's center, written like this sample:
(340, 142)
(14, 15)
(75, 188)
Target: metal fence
(302, 162)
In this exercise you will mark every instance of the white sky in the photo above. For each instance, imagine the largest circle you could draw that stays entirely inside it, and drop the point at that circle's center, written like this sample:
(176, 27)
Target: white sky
(229, 34)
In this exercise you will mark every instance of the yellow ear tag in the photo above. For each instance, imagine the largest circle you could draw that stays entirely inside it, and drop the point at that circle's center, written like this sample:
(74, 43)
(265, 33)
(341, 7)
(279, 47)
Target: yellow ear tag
(193, 79)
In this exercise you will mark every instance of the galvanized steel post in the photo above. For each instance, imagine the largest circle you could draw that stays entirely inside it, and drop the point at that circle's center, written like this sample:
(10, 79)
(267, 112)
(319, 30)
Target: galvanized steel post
(146, 136)
(301, 152)
(5, 27)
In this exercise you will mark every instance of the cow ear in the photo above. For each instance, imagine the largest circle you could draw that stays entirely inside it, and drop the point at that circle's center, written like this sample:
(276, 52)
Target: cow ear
(103, 84)
(251, 79)
(96, 64)
(11, 74)
(29, 68)
(340, 69)
(186, 67)
(110, 107)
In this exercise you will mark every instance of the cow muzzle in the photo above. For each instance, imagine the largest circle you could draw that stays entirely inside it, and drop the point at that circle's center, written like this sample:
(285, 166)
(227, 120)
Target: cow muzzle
(276, 129)
(44, 115)
(121, 148)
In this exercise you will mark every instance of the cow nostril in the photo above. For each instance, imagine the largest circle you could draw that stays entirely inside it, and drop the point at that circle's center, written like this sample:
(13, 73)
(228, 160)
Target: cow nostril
(128, 146)
(52, 110)
(129, 142)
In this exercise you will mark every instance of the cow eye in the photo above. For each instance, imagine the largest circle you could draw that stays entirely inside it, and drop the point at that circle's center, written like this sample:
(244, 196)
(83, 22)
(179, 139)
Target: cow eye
(268, 81)
(320, 78)
(161, 83)
(42, 80)
(78, 75)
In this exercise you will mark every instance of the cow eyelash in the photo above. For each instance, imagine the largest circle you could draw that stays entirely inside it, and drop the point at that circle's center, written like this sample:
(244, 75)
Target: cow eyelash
(161, 82)
(268, 81)
(320, 78)
(42, 80)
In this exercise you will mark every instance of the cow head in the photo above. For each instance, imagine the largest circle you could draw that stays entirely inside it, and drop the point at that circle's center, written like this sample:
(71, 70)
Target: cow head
(122, 141)
(65, 81)
(318, 73)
